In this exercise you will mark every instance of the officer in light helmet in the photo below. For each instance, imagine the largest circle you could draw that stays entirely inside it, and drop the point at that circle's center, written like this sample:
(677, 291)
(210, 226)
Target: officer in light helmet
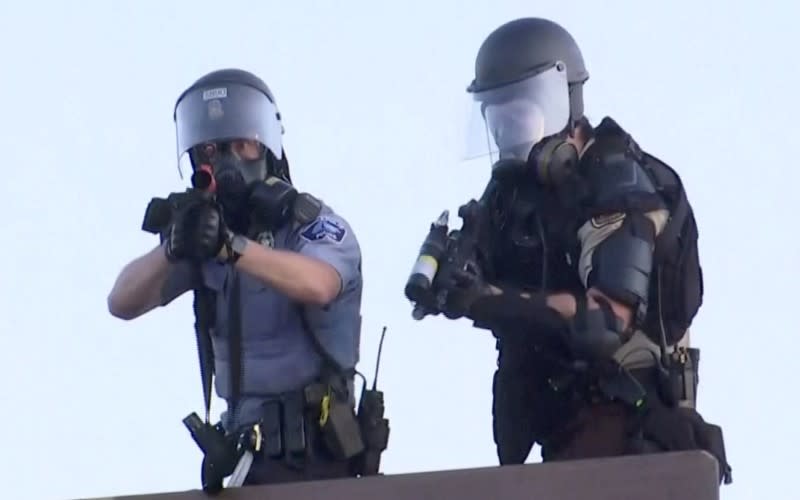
(234, 127)
(284, 269)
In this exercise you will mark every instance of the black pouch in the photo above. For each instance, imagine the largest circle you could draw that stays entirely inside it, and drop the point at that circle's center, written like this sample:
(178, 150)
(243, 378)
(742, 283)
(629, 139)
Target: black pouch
(677, 429)
(294, 424)
(709, 438)
(271, 429)
(340, 430)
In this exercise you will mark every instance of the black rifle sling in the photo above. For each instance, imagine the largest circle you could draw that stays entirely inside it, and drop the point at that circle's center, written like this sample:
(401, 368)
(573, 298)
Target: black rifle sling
(204, 310)
(235, 341)
(330, 367)
(204, 314)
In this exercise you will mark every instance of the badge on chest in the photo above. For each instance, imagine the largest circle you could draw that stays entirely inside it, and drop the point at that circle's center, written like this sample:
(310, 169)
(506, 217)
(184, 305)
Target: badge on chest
(266, 238)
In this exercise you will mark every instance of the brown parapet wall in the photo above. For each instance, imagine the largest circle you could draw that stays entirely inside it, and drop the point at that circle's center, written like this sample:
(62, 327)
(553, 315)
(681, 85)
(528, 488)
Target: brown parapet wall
(670, 476)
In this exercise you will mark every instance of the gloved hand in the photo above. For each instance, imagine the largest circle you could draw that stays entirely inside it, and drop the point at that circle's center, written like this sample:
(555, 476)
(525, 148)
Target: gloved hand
(197, 233)
(464, 287)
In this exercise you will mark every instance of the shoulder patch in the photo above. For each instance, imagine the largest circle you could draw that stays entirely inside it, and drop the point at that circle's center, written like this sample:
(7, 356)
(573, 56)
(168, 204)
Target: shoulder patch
(599, 221)
(325, 228)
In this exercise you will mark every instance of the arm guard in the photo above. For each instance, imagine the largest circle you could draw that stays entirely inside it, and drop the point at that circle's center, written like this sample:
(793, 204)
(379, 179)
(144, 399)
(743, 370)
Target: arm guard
(617, 242)
(591, 335)
(509, 308)
(622, 262)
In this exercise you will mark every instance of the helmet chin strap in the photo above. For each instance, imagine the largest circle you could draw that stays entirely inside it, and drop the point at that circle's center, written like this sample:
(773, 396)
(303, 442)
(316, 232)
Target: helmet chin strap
(278, 168)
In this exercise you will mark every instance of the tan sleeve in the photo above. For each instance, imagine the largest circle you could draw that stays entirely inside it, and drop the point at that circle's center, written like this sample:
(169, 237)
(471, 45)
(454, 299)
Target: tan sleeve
(597, 229)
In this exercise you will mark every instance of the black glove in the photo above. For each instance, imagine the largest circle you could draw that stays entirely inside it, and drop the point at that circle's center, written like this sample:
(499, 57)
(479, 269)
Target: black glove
(464, 287)
(197, 233)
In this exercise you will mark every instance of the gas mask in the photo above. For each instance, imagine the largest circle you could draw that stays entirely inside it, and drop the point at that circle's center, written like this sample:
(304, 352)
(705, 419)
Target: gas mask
(231, 178)
(234, 178)
(552, 162)
(250, 194)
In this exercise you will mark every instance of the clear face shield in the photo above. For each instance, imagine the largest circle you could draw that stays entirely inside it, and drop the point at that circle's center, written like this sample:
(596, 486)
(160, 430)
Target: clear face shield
(223, 133)
(508, 121)
(228, 119)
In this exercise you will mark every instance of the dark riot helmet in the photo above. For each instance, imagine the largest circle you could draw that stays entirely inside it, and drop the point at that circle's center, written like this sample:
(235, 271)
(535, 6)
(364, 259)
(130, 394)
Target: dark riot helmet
(528, 83)
(229, 105)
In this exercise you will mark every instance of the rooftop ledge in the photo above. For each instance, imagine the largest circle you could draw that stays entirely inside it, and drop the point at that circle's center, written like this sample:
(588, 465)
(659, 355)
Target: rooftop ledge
(666, 476)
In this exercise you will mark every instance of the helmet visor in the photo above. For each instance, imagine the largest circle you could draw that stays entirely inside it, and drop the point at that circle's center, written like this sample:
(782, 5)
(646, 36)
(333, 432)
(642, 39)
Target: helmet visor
(224, 113)
(507, 121)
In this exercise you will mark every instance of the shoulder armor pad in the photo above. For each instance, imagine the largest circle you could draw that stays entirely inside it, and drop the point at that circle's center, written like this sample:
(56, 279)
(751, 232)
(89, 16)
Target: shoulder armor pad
(615, 177)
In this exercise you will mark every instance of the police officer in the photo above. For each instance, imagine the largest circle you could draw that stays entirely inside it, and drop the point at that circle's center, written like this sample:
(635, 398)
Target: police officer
(567, 280)
(284, 268)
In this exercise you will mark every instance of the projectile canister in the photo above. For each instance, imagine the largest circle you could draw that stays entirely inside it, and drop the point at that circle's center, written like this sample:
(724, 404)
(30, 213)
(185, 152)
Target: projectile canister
(427, 264)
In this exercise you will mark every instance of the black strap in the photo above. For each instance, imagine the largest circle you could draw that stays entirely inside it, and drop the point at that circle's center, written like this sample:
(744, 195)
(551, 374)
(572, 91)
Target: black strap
(204, 306)
(204, 313)
(667, 241)
(235, 341)
(330, 367)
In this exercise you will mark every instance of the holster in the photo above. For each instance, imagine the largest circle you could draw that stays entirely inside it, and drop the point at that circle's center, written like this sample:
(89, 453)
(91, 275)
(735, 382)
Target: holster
(360, 438)
(289, 423)
(336, 418)
(680, 388)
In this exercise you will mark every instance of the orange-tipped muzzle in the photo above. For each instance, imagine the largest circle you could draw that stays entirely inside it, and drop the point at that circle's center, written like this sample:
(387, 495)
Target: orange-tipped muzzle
(203, 179)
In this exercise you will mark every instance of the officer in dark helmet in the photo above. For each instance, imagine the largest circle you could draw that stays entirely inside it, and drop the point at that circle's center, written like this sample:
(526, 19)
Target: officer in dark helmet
(284, 270)
(587, 270)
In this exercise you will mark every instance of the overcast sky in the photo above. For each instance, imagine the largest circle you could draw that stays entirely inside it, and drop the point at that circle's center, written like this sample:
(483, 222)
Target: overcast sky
(374, 105)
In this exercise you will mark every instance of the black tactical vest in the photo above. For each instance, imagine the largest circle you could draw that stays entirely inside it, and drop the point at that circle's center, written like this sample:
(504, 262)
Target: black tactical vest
(534, 240)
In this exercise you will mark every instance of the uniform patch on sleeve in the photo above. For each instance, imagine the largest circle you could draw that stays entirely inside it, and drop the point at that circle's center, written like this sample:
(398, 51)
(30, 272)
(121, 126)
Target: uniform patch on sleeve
(604, 220)
(325, 227)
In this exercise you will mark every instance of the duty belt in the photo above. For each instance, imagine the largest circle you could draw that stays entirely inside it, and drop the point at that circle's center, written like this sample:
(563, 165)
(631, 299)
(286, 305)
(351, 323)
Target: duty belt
(281, 426)
(290, 422)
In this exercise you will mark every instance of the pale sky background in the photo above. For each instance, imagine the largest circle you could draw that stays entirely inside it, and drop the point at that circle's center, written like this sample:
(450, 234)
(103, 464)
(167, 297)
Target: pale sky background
(374, 103)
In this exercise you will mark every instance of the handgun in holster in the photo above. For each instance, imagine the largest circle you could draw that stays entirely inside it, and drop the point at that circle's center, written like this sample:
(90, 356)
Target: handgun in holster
(220, 453)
